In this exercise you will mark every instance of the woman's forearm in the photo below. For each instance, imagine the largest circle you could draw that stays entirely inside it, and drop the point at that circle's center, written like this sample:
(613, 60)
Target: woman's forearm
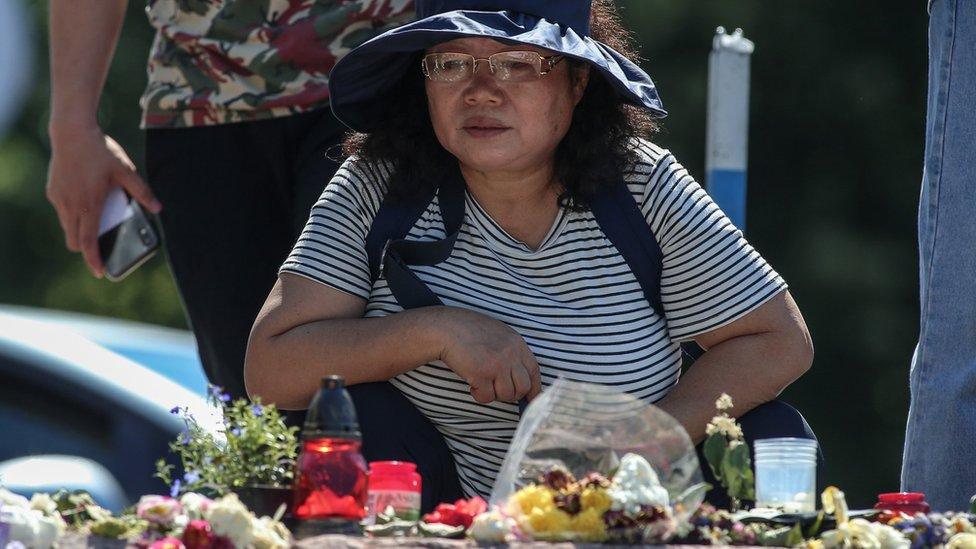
(286, 368)
(752, 369)
(83, 38)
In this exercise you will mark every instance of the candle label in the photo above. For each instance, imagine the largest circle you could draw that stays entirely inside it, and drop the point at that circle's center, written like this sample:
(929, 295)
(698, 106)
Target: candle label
(406, 505)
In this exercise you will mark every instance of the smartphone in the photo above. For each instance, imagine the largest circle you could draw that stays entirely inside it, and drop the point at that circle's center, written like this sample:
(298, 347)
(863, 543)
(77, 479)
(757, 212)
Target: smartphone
(126, 237)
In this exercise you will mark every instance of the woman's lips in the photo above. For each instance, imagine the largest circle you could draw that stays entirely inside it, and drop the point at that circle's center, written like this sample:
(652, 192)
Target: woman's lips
(484, 127)
(484, 131)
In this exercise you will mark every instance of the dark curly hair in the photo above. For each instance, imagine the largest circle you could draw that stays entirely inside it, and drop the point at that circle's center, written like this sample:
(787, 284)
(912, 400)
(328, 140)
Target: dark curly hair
(593, 153)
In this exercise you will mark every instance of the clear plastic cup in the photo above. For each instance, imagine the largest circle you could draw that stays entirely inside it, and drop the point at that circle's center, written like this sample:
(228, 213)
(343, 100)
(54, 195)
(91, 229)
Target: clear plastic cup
(786, 474)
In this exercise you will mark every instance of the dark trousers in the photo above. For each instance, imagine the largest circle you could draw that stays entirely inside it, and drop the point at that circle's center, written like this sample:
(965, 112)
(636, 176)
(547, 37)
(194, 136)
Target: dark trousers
(393, 428)
(235, 198)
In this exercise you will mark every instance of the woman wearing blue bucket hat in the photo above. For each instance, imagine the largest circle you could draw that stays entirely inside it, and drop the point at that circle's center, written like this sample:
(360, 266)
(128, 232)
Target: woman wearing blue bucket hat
(503, 221)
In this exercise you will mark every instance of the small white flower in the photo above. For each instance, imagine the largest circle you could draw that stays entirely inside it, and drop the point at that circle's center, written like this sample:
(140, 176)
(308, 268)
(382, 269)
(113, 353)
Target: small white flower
(493, 527)
(725, 425)
(195, 505)
(269, 534)
(44, 503)
(724, 402)
(230, 518)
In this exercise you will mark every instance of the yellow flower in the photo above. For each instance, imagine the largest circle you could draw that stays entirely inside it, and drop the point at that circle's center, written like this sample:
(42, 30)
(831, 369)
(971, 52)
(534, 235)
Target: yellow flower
(553, 520)
(596, 499)
(534, 497)
(589, 524)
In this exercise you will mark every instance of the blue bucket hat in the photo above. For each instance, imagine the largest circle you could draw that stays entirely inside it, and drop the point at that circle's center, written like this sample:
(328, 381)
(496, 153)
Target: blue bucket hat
(360, 80)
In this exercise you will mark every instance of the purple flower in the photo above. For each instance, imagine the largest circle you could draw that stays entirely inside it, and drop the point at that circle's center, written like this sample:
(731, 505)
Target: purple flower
(191, 476)
(235, 431)
(174, 410)
(257, 410)
(174, 490)
(219, 394)
(184, 438)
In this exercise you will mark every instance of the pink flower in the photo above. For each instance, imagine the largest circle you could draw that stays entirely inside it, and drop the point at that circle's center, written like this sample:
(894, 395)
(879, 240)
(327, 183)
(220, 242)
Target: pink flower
(167, 543)
(159, 510)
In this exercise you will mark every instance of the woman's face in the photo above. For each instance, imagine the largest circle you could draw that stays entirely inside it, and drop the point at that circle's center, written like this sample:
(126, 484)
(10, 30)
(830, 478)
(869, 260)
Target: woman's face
(496, 126)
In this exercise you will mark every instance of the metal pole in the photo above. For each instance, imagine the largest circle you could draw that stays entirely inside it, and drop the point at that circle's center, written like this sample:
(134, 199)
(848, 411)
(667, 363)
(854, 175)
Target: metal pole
(728, 123)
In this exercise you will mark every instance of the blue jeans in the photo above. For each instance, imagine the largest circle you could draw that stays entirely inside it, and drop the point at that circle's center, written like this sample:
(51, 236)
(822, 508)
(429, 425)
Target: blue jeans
(940, 440)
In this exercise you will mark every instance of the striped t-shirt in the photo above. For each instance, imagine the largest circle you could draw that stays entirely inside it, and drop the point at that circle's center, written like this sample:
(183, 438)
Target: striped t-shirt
(574, 299)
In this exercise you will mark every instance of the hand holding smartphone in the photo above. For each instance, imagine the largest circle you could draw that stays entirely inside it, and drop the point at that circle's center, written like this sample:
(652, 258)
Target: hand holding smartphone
(126, 237)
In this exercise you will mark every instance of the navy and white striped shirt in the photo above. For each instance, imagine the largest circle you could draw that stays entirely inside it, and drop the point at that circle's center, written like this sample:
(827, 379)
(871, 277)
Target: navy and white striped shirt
(574, 299)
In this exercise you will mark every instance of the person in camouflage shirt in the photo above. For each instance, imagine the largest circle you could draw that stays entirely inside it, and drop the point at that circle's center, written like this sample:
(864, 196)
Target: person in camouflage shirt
(240, 142)
(215, 62)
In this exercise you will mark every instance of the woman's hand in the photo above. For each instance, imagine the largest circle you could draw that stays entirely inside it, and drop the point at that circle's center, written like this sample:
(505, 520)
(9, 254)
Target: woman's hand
(489, 355)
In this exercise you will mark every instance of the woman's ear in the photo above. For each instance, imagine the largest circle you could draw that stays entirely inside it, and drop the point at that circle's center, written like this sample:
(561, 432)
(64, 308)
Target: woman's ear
(580, 77)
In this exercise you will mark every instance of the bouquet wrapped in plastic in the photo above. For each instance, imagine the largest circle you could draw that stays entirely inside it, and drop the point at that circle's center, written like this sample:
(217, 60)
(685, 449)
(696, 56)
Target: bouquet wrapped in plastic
(590, 463)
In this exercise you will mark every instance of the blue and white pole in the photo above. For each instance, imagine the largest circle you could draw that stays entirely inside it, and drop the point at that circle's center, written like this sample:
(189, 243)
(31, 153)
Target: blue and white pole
(728, 123)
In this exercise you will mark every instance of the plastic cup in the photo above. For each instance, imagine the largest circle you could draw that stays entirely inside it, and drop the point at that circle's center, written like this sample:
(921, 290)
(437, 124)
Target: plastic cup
(786, 474)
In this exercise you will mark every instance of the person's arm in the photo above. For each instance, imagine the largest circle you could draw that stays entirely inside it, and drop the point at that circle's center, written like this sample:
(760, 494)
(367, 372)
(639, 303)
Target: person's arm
(85, 163)
(752, 359)
(307, 330)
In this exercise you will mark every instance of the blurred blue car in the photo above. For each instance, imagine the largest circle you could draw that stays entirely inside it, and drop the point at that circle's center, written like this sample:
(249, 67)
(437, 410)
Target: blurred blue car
(85, 402)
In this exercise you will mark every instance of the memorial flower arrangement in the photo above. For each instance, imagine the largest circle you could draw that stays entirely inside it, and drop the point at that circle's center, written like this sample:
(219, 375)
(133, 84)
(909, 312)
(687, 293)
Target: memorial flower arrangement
(157, 522)
(254, 448)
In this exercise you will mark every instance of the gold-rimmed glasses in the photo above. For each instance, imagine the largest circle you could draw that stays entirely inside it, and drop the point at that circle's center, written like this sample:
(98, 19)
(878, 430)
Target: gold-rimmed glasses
(507, 66)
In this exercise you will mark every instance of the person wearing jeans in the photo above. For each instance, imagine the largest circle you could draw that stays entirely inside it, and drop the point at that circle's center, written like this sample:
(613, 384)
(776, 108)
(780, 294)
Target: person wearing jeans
(940, 442)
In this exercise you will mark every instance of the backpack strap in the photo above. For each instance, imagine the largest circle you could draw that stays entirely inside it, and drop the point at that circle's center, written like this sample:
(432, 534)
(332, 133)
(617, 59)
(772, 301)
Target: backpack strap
(390, 254)
(618, 216)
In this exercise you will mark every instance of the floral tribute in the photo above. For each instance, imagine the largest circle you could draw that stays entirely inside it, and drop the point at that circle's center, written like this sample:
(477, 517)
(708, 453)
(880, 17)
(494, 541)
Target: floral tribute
(630, 506)
(156, 522)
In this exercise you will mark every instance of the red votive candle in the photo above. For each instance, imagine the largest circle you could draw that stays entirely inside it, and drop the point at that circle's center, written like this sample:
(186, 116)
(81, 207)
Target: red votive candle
(331, 477)
(902, 502)
(394, 484)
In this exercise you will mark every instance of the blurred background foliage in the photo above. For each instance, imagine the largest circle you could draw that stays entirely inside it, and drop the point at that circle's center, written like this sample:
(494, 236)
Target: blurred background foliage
(835, 156)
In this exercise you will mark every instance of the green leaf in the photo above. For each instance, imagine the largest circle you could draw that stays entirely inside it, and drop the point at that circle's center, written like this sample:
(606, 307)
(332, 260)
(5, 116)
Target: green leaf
(817, 524)
(434, 530)
(714, 450)
(787, 536)
(737, 473)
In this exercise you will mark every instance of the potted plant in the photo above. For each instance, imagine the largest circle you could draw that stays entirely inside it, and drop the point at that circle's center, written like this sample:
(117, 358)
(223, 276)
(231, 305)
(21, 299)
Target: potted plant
(253, 456)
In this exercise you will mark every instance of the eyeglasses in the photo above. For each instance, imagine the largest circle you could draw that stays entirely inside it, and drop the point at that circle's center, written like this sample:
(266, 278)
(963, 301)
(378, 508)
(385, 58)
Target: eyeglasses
(507, 66)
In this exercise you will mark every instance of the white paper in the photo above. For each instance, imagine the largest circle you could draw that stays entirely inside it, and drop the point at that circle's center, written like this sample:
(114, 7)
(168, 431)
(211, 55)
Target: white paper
(117, 209)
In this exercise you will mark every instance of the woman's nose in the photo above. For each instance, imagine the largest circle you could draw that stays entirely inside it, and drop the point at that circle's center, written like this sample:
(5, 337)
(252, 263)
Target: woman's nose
(482, 86)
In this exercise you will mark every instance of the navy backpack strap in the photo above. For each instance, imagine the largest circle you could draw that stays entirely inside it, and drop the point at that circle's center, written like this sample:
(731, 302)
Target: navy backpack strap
(392, 222)
(619, 217)
(621, 220)
(396, 253)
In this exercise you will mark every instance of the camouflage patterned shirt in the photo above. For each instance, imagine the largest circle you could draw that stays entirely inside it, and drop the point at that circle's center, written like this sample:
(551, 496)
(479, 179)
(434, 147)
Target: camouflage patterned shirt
(223, 61)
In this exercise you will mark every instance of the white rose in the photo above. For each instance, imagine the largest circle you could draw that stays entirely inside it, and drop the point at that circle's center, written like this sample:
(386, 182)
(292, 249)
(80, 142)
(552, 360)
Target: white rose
(230, 518)
(636, 484)
(493, 527)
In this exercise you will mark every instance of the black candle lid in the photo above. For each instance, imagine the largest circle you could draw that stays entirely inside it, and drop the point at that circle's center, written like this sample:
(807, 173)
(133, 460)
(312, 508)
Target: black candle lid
(331, 413)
